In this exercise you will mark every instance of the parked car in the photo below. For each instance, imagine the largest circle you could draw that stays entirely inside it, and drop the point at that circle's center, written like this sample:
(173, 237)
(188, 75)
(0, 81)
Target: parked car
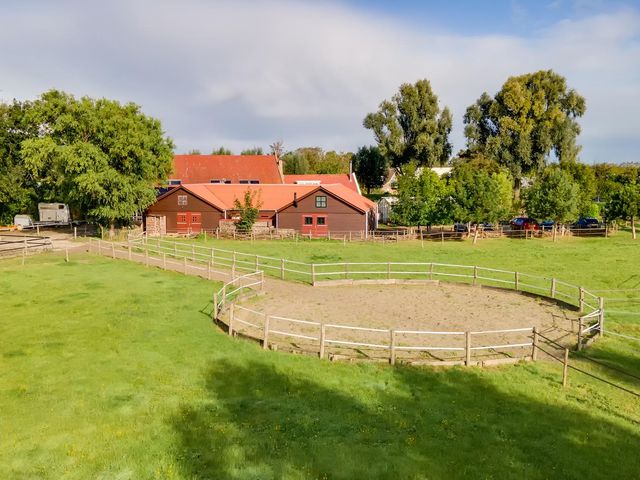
(524, 223)
(587, 222)
(547, 225)
(460, 227)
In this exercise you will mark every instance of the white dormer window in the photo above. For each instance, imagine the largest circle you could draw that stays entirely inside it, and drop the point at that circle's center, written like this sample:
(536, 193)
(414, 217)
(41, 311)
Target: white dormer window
(175, 181)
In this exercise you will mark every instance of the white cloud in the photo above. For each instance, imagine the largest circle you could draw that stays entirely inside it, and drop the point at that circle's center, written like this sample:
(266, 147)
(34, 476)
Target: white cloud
(244, 73)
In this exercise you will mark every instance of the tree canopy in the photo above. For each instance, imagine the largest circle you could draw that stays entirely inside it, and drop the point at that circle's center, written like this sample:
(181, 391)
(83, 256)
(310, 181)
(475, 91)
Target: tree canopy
(624, 204)
(252, 151)
(103, 158)
(370, 167)
(248, 210)
(221, 151)
(411, 127)
(531, 116)
(315, 160)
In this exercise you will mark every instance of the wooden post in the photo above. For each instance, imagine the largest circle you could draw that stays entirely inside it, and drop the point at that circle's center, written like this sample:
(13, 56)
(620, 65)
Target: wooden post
(231, 315)
(388, 270)
(392, 347)
(516, 281)
(257, 264)
(99, 247)
(66, 255)
(581, 300)
(262, 281)
(75, 232)
(265, 336)
(113, 250)
(233, 266)
(431, 271)
(475, 275)
(129, 251)
(580, 325)
(565, 367)
(209, 270)
(553, 288)
(213, 256)
(193, 253)
(214, 312)
(37, 229)
(184, 259)
(346, 270)
(24, 255)
(205, 235)
(322, 337)
(282, 268)
(467, 349)
(217, 233)
(442, 236)
(601, 305)
(175, 249)
(534, 349)
(164, 261)
(349, 236)
(313, 274)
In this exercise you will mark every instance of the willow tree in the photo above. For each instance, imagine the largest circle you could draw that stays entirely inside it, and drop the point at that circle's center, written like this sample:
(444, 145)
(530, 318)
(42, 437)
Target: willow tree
(103, 158)
(530, 117)
(411, 127)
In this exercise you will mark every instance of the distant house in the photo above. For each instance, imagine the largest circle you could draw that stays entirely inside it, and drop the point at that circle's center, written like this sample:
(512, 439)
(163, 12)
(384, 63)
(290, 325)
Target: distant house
(226, 169)
(385, 206)
(310, 209)
(348, 180)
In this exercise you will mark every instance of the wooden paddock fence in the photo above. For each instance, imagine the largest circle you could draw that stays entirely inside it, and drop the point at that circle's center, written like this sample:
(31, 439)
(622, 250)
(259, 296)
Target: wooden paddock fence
(22, 244)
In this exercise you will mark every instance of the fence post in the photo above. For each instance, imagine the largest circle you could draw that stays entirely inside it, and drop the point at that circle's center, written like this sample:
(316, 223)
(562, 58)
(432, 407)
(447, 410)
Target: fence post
(213, 257)
(37, 229)
(313, 273)
(282, 268)
(475, 275)
(565, 367)
(265, 336)
(580, 324)
(113, 250)
(262, 280)
(75, 232)
(209, 270)
(553, 288)
(129, 250)
(442, 236)
(431, 271)
(205, 235)
(516, 281)
(164, 261)
(146, 257)
(392, 347)
(231, 315)
(66, 255)
(99, 247)
(185, 264)
(257, 263)
(322, 336)
(601, 305)
(534, 349)
(388, 270)
(467, 348)
(193, 253)
(214, 313)
(233, 266)
(217, 233)
(346, 270)
(581, 300)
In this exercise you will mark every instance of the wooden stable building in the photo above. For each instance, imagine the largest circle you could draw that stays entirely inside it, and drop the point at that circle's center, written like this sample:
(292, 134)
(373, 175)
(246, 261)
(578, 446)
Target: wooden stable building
(315, 209)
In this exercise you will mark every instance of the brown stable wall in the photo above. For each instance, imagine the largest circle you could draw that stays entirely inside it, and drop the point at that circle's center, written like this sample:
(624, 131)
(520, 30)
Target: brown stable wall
(340, 216)
(168, 206)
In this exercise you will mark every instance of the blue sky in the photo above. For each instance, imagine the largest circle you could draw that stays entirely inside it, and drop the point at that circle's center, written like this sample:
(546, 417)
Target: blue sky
(244, 73)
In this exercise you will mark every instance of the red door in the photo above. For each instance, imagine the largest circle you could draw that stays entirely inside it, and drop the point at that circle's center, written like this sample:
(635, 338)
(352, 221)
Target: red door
(314, 224)
(189, 222)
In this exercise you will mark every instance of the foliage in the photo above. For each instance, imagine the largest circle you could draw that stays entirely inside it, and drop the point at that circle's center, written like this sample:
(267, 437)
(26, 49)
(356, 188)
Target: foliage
(624, 204)
(252, 151)
(195, 151)
(531, 116)
(480, 195)
(221, 151)
(553, 196)
(295, 164)
(370, 167)
(315, 160)
(411, 127)
(248, 209)
(585, 178)
(423, 199)
(102, 158)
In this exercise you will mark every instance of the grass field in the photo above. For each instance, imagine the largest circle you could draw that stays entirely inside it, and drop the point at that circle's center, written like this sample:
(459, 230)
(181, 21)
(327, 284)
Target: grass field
(112, 370)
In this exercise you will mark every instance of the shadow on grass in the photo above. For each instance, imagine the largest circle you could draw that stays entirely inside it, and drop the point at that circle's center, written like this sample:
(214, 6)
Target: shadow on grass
(259, 422)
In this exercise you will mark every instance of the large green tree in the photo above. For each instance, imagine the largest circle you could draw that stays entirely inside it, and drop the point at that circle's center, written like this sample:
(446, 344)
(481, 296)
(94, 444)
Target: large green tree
(480, 195)
(530, 117)
(252, 151)
(624, 204)
(370, 167)
(411, 127)
(554, 195)
(103, 158)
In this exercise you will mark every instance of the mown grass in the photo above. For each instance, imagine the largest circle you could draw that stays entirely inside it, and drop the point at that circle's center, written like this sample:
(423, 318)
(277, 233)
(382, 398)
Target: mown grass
(112, 370)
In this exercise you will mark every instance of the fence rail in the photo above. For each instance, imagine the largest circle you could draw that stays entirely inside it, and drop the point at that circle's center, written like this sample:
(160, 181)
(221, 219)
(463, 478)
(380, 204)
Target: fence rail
(23, 244)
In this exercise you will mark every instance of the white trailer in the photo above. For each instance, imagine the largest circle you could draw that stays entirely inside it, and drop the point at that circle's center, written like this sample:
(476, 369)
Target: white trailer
(54, 214)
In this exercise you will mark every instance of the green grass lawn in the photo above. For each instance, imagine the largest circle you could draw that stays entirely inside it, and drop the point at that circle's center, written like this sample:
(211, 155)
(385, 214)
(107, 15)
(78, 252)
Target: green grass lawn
(111, 370)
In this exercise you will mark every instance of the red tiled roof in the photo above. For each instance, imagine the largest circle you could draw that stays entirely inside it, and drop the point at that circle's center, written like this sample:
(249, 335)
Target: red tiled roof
(273, 197)
(325, 179)
(204, 168)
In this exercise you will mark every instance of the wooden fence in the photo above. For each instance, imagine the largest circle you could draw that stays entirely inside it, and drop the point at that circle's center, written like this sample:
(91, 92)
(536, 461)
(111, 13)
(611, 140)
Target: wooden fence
(17, 244)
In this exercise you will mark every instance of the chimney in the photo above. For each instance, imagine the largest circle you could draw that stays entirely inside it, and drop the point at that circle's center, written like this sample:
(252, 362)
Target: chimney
(295, 199)
(280, 167)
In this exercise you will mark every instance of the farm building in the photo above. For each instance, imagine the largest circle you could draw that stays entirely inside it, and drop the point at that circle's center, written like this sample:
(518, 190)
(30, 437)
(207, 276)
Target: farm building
(226, 169)
(385, 206)
(309, 209)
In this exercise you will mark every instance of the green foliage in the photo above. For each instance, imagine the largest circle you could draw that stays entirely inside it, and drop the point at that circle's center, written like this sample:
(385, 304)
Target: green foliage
(585, 178)
(103, 158)
(314, 160)
(411, 127)
(195, 151)
(624, 204)
(248, 209)
(479, 195)
(252, 151)
(295, 164)
(553, 196)
(531, 116)
(221, 151)
(370, 167)
(423, 199)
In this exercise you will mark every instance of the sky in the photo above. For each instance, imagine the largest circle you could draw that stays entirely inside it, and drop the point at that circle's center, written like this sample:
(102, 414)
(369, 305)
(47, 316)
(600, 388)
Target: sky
(244, 73)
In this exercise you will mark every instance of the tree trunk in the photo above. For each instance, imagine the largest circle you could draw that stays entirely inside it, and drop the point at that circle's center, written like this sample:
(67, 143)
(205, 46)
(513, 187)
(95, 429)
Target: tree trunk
(517, 183)
(475, 235)
(112, 230)
(633, 227)
(555, 231)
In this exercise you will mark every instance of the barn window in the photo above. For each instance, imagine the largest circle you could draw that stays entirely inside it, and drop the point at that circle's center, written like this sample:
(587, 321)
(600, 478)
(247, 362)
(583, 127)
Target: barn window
(308, 220)
(321, 201)
(249, 181)
(214, 180)
(182, 199)
(321, 221)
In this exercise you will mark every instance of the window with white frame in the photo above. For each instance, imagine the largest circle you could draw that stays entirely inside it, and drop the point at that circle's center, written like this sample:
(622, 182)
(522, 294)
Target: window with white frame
(321, 201)
(182, 200)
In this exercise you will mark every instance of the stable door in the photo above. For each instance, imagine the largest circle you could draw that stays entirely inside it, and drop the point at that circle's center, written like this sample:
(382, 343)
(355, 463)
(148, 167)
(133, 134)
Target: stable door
(314, 224)
(189, 222)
